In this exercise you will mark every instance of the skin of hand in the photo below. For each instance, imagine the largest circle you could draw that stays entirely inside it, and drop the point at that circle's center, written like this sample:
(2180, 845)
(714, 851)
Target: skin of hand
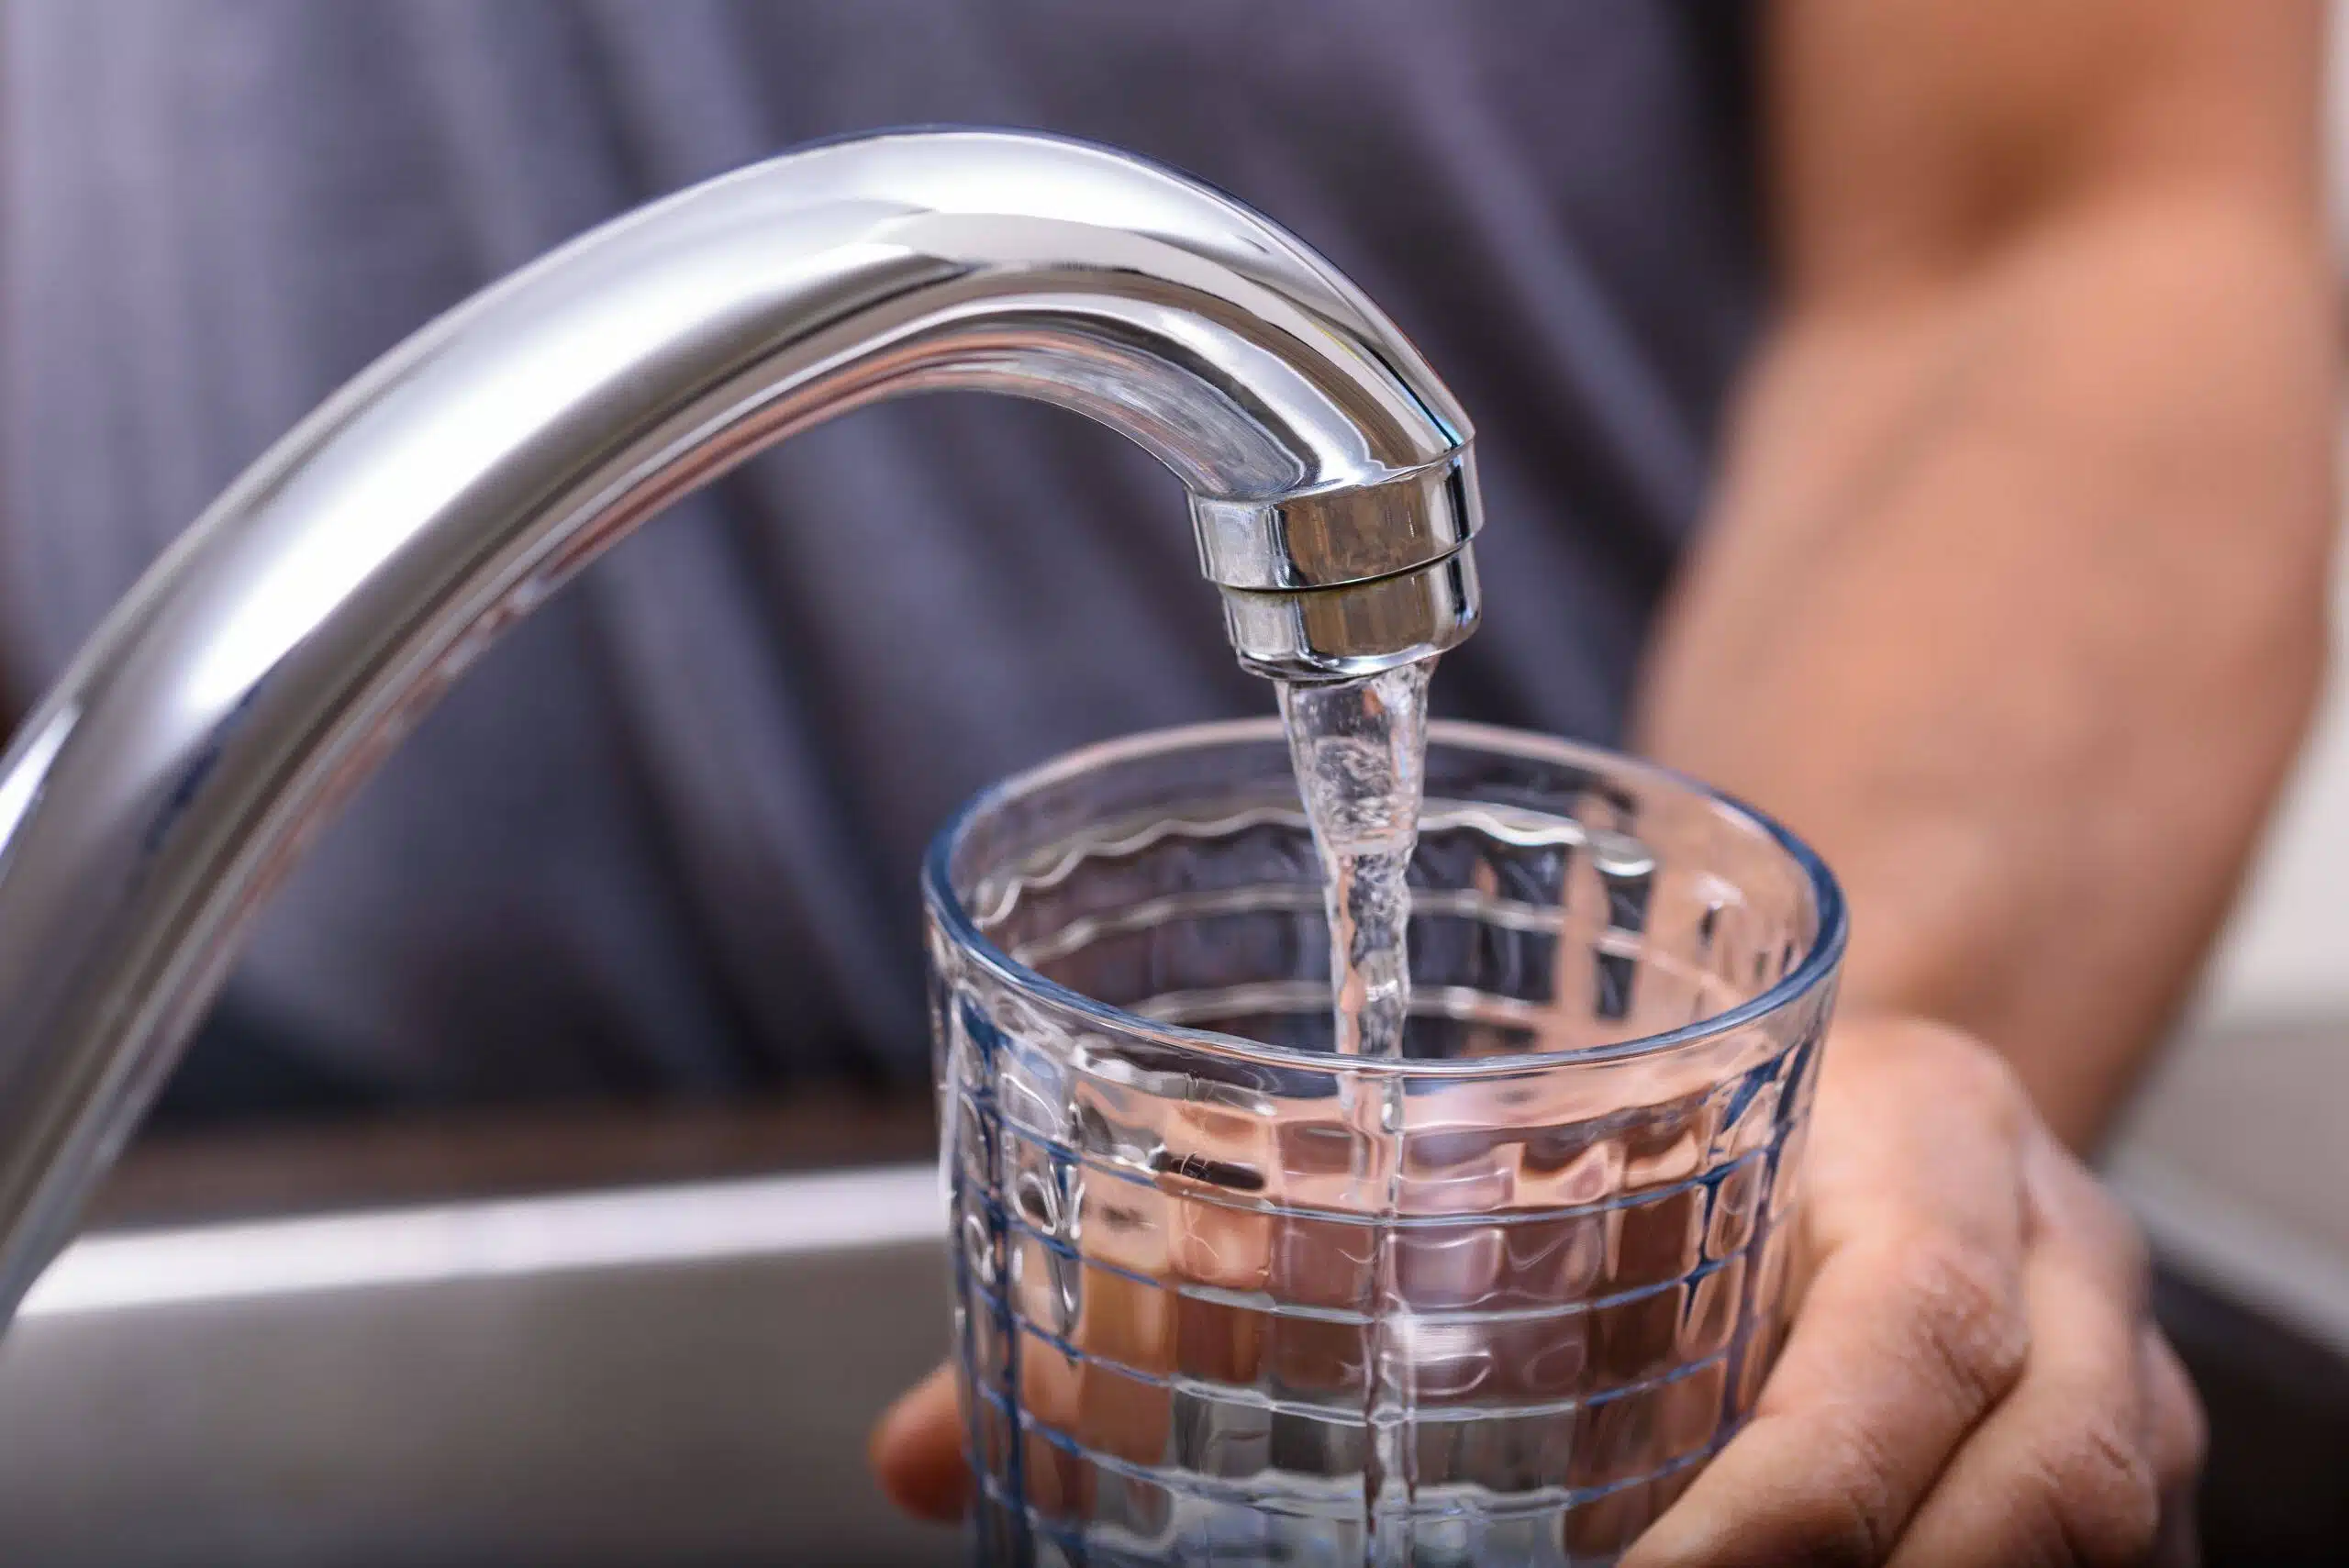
(2015, 607)
(916, 1450)
(2014, 604)
(1972, 1377)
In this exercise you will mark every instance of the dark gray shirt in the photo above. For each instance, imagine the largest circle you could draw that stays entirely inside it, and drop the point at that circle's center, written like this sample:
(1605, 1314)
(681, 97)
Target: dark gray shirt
(664, 838)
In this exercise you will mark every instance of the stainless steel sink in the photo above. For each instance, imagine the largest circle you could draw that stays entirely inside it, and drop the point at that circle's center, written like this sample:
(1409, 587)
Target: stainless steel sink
(679, 1374)
(610, 1340)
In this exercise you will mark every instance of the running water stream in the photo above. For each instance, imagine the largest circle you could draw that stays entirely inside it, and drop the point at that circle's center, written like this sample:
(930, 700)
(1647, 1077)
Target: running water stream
(1360, 751)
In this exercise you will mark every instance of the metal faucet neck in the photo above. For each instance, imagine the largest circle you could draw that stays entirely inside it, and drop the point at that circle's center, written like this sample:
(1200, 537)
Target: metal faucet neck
(270, 660)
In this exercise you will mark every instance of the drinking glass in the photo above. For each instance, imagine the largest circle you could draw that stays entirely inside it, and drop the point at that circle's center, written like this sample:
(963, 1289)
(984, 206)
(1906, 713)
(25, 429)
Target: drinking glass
(1222, 1296)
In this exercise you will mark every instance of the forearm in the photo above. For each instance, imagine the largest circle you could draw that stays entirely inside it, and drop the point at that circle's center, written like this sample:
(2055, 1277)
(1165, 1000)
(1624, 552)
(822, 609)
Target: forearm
(2014, 604)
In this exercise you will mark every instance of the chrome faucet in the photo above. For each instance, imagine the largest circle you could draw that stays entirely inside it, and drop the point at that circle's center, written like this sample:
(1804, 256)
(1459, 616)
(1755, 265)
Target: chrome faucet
(275, 654)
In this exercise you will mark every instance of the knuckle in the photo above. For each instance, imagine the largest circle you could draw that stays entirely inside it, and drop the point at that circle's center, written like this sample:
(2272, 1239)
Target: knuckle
(2099, 1485)
(1980, 1080)
(1846, 1516)
(2070, 1203)
(1969, 1320)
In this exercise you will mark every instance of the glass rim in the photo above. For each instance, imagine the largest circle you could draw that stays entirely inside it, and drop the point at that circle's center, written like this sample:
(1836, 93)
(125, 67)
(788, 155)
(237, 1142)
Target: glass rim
(1817, 964)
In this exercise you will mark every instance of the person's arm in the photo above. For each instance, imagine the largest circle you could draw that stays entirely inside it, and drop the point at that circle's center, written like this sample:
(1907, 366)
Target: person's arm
(2015, 607)
(2014, 604)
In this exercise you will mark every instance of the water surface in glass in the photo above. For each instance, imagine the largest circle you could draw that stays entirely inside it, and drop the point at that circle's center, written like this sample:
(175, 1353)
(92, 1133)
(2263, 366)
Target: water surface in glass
(1192, 1331)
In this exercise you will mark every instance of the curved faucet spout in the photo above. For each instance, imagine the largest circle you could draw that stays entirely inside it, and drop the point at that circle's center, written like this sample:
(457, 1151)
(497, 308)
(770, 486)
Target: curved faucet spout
(274, 655)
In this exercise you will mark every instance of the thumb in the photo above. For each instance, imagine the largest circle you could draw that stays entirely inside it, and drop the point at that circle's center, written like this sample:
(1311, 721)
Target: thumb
(917, 1451)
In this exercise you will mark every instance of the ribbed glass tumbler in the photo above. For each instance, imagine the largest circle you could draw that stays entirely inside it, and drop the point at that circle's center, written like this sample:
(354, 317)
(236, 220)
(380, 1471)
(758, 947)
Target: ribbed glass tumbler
(1224, 1296)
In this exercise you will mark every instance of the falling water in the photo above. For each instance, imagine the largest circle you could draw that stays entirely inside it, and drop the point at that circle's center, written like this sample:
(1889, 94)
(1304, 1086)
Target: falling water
(1360, 749)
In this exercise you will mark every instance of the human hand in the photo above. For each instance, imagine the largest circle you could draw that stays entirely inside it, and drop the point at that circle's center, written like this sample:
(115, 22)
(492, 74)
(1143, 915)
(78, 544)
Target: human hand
(917, 1451)
(1972, 1376)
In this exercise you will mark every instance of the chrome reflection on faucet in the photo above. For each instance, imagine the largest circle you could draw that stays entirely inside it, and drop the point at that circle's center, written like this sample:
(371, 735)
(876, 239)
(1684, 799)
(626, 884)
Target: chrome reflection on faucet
(263, 667)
